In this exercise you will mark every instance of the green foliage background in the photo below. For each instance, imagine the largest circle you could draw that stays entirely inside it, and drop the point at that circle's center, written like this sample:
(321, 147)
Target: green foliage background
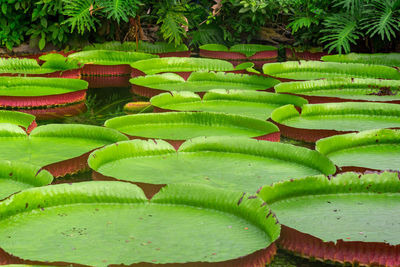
(338, 25)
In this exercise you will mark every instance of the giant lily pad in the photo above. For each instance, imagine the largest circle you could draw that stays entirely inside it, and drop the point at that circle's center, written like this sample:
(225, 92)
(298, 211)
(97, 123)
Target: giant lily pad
(183, 65)
(317, 121)
(342, 89)
(259, 54)
(239, 163)
(162, 49)
(347, 218)
(108, 63)
(373, 149)
(26, 121)
(27, 92)
(59, 148)
(246, 50)
(177, 127)
(183, 224)
(309, 70)
(17, 176)
(388, 59)
(55, 66)
(199, 82)
(258, 105)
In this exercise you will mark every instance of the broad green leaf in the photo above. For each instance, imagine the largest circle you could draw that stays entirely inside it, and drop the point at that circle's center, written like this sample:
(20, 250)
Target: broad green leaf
(17, 176)
(247, 49)
(234, 163)
(204, 81)
(53, 143)
(388, 59)
(345, 88)
(373, 149)
(186, 125)
(309, 70)
(181, 64)
(349, 207)
(345, 116)
(16, 118)
(202, 223)
(36, 86)
(255, 104)
(106, 57)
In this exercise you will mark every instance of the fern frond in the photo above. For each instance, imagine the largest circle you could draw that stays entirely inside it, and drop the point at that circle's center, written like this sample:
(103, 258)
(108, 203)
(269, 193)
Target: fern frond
(302, 22)
(171, 27)
(79, 15)
(342, 31)
(119, 9)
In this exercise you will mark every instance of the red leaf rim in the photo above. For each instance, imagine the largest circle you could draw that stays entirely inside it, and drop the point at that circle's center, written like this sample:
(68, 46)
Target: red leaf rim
(307, 135)
(106, 70)
(40, 101)
(56, 112)
(225, 55)
(107, 81)
(69, 166)
(32, 126)
(175, 54)
(363, 253)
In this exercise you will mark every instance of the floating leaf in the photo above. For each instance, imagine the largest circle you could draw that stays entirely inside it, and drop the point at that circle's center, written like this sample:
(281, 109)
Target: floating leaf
(118, 217)
(258, 105)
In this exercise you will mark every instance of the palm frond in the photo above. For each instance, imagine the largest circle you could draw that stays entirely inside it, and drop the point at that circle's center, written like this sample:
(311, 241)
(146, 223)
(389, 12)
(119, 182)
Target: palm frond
(382, 18)
(342, 31)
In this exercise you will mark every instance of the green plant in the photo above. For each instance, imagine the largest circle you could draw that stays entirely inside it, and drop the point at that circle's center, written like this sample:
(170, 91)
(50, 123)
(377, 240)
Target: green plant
(13, 22)
(84, 15)
(371, 19)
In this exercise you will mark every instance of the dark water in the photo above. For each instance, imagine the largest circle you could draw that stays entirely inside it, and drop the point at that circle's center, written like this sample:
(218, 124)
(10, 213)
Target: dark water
(106, 103)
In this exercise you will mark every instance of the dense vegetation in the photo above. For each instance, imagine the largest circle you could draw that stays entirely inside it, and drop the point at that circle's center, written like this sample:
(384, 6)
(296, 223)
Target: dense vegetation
(338, 25)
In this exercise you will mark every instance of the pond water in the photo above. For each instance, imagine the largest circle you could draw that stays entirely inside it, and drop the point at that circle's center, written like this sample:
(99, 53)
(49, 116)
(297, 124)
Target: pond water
(106, 103)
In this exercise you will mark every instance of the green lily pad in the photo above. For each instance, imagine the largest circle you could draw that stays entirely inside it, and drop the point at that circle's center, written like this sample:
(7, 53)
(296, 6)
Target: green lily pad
(309, 70)
(247, 49)
(17, 118)
(31, 66)
(204, 224)
(182, 64)
(53, 143)
(145, 47)
(258, 105)
(345, 88)
(36, 86)
(353, 212)
(388, 59)
(17, 176)
(234, 163)
(204, 81)
(345, 116)
(374, 149)
(186, 125)
(106, 57)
